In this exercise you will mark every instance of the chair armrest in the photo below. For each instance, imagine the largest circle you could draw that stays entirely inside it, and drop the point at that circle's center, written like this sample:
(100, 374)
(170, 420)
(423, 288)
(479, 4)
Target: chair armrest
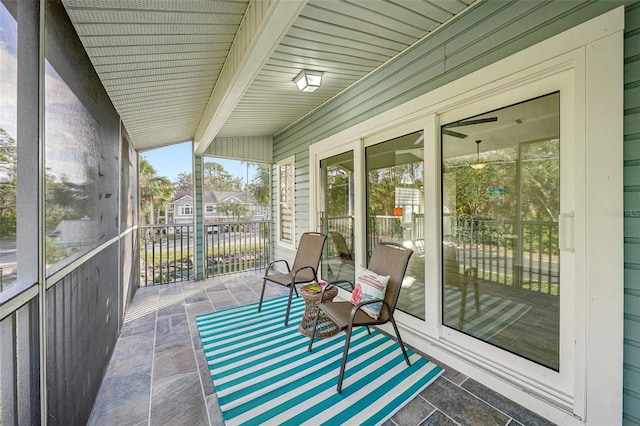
(357, 307)
(326, 287)
(276, 261)
(344, 281)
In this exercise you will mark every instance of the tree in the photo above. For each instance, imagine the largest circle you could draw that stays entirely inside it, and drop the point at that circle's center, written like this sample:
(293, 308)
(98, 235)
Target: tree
(8, 180)
(183, 182)
(381, 193)
(538, 167)
(154, 190)
(214, 177)
(260, 184)
(65, 201)
(337, 197)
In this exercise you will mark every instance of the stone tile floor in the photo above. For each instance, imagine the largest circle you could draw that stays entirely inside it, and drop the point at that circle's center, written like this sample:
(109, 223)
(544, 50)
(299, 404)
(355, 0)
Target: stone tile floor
(158, 374)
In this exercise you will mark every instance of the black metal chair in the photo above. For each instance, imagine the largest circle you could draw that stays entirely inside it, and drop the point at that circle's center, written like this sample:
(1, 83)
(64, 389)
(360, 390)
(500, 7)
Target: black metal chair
(387, 259)
(303, 271)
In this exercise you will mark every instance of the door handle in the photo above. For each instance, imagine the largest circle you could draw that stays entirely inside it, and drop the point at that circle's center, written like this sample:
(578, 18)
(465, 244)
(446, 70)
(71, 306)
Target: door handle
(567, 231)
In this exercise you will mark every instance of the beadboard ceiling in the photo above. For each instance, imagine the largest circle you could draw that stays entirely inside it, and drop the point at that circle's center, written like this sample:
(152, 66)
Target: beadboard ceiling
(180, 70)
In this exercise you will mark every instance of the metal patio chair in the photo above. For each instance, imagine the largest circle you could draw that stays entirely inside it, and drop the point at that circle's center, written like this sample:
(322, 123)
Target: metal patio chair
(460, 280)
(303, 271)
(387, 259)
(345, 256)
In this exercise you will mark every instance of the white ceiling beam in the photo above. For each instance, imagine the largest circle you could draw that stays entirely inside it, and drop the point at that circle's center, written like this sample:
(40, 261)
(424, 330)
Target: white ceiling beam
(264, 25)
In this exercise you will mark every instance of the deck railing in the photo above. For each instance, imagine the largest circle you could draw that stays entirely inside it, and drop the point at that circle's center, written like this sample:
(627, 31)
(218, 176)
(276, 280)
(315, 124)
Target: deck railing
(166, 254)
(167, 251)
(521, 254)
(236, 246)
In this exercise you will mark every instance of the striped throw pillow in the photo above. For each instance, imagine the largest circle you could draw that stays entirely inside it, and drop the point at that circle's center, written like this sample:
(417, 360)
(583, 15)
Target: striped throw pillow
(370, 285)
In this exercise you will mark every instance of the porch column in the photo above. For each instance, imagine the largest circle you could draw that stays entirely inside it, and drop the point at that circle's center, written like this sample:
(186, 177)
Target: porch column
(199, 253)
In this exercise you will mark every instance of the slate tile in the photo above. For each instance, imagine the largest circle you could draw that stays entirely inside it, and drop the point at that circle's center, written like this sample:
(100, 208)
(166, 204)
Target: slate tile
(178, 360)
(205, 373)
(123, 399)
(198, 308)
(175, 307)
(139, 325)
(463, 407)
(439, 419)
(518, 412)
(215, 414)
(178, 400)
(132, 353)
(412, 414)
(199, 296)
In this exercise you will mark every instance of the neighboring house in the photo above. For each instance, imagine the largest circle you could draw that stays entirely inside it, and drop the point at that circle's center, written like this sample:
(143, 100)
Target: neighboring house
(75, 233)
(180, 210)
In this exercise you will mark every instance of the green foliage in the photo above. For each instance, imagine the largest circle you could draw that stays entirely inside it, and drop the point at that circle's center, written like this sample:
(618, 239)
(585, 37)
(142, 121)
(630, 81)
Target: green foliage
(470, 188)
(214, 177)
(540, 176)
(538, 187)
(337, 192)
(235, 209)
(8, 176)
(54, 253)
(382, 185)
(155, 190)
(260, 184)
(65, 201)
(8, 225)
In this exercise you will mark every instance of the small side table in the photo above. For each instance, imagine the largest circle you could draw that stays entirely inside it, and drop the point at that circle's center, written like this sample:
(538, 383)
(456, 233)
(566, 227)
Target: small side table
(326, 327)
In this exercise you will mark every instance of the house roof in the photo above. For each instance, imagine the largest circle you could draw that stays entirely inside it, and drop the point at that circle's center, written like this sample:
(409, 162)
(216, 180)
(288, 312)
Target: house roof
(216, 197)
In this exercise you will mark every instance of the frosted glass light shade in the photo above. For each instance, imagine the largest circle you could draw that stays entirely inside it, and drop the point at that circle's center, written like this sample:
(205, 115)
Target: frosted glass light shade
(308, 81)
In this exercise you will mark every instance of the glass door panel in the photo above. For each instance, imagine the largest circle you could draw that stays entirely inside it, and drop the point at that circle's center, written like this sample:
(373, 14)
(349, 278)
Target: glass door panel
(337, 201)
(395, 208)
(500, 207)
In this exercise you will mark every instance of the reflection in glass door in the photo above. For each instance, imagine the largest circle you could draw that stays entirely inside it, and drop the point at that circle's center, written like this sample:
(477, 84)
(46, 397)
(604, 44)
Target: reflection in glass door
(500, 207)
(338, 261)
(395, 208)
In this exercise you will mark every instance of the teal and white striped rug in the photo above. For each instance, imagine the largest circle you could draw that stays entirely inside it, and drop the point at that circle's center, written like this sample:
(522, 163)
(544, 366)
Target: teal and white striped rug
(263, 373)
(494, 316)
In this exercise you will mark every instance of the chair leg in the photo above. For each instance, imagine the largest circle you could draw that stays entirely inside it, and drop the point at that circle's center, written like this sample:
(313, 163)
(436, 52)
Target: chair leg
(404, 351)
(264, 285)
(344, 358)
(475, 291)
(313, 333)
(286, 318)
(463, 307)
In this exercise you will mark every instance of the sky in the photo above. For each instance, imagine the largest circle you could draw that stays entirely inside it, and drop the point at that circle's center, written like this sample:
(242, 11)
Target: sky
(172, 160)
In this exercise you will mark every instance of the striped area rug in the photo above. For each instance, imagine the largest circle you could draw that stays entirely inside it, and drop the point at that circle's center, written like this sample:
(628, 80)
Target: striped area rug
(263, 373)
(496, 314)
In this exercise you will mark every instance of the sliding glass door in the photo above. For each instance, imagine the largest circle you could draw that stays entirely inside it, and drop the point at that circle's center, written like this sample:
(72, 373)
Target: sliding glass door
(500, 245)
(337, 219)
(395, 208)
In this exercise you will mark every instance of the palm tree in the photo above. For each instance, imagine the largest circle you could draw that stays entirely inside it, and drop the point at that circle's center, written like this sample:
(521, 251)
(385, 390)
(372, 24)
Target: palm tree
(260, 185)
(238, 210)
(154, 190)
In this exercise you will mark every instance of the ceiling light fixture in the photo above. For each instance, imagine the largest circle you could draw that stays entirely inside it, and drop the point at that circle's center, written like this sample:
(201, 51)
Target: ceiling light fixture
(478, 165)
(308, 81)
